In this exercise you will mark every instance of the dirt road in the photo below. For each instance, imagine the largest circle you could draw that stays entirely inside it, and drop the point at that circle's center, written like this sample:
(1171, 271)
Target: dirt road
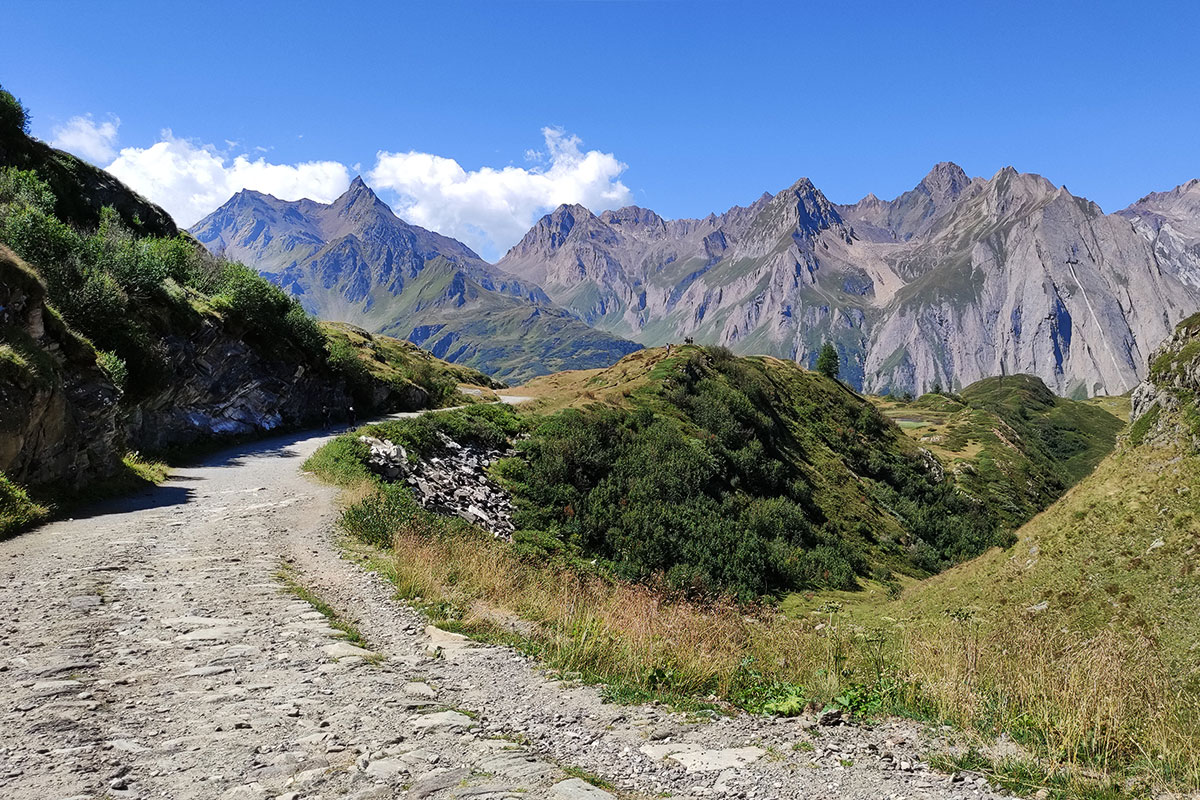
(150, 649)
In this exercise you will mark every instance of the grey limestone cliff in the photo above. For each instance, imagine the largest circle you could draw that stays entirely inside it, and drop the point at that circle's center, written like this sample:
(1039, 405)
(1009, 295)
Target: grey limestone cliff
(955, 280)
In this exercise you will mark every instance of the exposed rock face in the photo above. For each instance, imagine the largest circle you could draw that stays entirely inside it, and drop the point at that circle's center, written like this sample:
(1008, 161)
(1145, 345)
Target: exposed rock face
(1171, 392)
(1024, 277)
(355, 261)
(914, 212)
(955, 280)
(223, 385)
(454, 483)
(58, 419)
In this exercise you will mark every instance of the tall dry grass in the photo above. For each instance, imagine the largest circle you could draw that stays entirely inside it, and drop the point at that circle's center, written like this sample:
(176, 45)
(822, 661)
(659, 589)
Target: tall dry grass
(1099, 705)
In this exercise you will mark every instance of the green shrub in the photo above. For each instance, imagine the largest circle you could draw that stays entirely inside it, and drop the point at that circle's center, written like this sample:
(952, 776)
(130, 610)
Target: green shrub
(344, 359)
(639, 493)
(114, 367)
(441, 387)
(827, 361)
(265, 309)
(44, 241)
(17, 511)
(24, 187)
(377, 517)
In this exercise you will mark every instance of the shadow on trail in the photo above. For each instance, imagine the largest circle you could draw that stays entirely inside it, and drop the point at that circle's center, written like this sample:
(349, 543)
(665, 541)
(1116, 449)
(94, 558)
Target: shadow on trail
(278, 446)
(162, 496)
(171, 493)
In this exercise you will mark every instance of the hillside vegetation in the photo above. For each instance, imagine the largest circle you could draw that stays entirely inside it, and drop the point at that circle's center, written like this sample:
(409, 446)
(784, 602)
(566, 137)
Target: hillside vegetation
(371, 360)
(1078, 643)
(117, 333)
(750, 475)
(1009, 442)
(1119, 551)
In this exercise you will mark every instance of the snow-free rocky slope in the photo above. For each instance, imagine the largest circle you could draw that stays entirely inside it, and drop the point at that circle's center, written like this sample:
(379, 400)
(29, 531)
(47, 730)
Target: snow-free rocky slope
(151, 650)
(355, 261)
(956, 280)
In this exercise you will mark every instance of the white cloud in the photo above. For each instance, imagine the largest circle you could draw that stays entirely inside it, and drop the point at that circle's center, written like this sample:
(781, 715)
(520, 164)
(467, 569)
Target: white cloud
(491, 209)
(190, 180)
(83, 136)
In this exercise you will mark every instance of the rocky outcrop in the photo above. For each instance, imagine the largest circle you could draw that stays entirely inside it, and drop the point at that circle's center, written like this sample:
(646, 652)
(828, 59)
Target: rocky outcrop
(455, 482)
(58, 410)
(223, 385)
(955, 280)
(1167, 403)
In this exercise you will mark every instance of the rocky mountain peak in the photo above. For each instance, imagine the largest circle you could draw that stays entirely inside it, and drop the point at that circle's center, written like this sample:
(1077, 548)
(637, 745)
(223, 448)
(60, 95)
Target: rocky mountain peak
(633, 216)
(945, 181)
(811, 210)
(914, 212)
(358, 196)
(1013, 191)
(553, 229)
(1185, 194)
(247, 198)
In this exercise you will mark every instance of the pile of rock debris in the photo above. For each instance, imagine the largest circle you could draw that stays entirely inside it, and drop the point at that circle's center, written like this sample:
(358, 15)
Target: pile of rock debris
(454, 482)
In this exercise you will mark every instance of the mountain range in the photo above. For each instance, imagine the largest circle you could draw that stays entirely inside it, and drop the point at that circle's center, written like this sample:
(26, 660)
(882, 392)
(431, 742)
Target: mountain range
(958, 279)
(355, 261)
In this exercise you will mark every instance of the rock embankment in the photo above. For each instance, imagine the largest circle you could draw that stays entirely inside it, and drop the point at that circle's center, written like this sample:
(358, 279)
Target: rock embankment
(1173, 384)
(454, 482)
(226, 383)
(58, 409)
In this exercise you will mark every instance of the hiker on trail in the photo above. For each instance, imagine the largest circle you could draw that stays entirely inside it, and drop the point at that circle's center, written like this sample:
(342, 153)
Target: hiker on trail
(668, 348)
(351, 415)
(325, 417)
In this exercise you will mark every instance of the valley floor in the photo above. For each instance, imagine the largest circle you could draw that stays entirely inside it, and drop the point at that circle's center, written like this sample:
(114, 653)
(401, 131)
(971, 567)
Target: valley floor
(153, 649)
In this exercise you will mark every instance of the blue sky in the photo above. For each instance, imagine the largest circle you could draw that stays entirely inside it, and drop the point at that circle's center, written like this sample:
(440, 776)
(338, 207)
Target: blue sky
(684, 107)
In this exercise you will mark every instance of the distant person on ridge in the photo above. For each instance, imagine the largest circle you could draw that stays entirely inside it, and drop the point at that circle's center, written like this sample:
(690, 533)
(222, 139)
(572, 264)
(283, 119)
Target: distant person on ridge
(351, 416)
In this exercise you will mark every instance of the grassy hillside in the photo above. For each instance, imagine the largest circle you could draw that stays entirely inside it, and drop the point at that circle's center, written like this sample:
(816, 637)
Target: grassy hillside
(514, 341)
(1009, 442)
(79, 190)
(713, 473)
(1119, 551)
(374, 359)
(775, 477)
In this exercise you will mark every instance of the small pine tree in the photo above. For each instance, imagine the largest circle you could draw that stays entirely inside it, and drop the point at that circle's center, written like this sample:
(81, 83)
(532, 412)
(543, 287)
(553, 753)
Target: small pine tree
(13, 116)
(827, 362)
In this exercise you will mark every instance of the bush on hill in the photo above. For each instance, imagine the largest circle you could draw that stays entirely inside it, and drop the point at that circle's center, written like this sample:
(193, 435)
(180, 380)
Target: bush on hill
(114, 286)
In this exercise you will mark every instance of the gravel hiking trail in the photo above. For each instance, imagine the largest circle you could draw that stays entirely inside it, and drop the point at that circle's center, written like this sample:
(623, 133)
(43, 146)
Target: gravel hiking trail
(150, 648)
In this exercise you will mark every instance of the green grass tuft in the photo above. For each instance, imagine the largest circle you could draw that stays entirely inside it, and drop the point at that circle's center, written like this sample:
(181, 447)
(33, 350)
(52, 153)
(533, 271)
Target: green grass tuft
(17, 511)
